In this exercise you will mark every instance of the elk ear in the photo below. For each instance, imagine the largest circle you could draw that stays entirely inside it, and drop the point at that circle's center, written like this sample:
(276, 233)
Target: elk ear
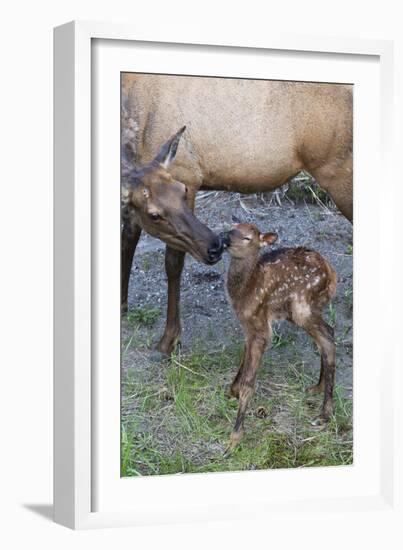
(127, 160)
(167, 152)
(267, 238)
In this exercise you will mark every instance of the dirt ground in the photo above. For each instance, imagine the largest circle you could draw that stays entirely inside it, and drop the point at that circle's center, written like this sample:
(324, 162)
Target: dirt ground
(210, 327)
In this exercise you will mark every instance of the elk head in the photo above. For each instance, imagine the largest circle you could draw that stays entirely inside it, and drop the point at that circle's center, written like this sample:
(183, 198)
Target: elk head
(162, 209)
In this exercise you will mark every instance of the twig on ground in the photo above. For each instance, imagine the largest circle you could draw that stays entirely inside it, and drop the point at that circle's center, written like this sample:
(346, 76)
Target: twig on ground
(187, 368)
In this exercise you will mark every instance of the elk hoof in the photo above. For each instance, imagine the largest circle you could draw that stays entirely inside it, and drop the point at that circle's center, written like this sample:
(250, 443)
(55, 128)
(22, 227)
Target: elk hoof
(158, 356)
(167, 346)
(316, 388)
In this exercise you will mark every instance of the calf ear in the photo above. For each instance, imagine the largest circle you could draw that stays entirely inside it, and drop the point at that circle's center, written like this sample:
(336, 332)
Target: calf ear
(267, 238)
(167, 152)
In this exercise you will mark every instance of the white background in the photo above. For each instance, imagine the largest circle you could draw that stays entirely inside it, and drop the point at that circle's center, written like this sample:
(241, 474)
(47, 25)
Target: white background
(114, 493)
(26, 260)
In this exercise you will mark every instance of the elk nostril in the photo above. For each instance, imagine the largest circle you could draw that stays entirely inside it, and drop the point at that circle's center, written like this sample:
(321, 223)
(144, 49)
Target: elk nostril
(213, 252)
(216, 249)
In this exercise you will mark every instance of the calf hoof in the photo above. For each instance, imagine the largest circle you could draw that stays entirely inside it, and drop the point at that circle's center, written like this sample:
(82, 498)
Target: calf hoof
(316, 388)
(234, 391)
(233, 442)
(320, 421)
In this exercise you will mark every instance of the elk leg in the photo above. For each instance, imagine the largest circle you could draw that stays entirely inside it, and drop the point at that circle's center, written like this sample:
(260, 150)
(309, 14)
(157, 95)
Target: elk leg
(322, 333)
(174, 260)
(130, 237)
(254, 350)
(337, 179)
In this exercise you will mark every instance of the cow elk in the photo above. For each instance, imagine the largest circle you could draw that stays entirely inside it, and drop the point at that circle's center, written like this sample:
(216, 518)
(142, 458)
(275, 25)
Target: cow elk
(242, 136)
(287, 283)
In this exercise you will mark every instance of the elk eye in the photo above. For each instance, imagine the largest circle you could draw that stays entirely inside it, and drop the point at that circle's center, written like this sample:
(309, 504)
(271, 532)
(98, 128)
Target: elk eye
(154, 216)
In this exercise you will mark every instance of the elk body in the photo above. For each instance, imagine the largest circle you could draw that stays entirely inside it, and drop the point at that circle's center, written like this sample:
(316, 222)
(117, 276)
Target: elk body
(245, 136)
(289, 283)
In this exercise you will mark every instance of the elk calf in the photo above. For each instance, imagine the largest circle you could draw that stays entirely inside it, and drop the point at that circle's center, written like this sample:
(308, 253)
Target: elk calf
(288, 283)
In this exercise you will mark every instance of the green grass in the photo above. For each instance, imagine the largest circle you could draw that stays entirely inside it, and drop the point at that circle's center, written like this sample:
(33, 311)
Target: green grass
(331, 315)
(348, 296)
(279, 340)
(143, 316)
(180, 418)
(137, 325)
(136, 339)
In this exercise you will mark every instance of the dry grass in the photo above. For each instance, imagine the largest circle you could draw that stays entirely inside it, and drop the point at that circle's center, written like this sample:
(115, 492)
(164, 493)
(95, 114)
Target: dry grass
(301, 189)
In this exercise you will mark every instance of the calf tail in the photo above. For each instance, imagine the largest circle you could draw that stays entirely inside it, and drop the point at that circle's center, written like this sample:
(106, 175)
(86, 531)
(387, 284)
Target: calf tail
(332, 280)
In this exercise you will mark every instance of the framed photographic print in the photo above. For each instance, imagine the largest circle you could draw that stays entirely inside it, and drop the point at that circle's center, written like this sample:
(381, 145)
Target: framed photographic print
(213, 308)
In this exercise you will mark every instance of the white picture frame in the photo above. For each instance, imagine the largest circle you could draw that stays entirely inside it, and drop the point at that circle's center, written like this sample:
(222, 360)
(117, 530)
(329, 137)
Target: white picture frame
(87, 491)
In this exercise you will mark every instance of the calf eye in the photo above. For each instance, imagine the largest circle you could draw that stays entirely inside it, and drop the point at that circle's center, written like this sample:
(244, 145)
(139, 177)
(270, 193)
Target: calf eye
(247, 239)
(154, 216)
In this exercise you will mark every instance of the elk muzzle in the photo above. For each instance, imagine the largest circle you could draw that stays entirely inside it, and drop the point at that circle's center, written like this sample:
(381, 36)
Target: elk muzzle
(183, 231)
(215, 250)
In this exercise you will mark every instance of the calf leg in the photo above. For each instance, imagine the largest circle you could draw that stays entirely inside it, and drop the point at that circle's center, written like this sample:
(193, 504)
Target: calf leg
(255, 346)
(322, 333)
(320, 386)
(174, 260)
(130, 237)
(234, 390)
(327, 407)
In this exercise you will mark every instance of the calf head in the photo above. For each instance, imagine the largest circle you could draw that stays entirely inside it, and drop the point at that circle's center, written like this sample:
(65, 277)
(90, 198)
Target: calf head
(161, 206)
(245, 240)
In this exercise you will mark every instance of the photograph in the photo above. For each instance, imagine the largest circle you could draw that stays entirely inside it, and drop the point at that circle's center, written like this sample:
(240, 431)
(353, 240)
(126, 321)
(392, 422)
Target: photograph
(236, 274)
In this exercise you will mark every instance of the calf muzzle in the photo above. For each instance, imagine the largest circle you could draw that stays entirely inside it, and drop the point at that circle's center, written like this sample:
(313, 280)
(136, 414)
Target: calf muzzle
(225, 239)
